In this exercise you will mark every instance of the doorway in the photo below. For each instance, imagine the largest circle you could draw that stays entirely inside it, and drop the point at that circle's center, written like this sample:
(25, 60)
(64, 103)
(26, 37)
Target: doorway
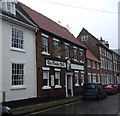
(69, 84)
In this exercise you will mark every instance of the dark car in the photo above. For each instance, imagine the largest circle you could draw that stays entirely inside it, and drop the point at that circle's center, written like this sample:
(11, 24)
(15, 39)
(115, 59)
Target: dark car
(94, 90)
(5, 111)
(117, 86)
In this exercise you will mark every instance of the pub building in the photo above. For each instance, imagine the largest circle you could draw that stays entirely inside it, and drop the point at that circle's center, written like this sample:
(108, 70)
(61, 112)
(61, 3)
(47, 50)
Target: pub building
(60, 59)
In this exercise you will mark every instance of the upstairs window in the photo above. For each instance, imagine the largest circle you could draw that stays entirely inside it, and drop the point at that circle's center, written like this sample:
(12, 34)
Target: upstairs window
(56, 46)
(44, 43)
(67, 51)
(93, 64)
(75, 54)
(81, 55)
(17, 38)
(9, 7)
(88, 63)
(84, 38)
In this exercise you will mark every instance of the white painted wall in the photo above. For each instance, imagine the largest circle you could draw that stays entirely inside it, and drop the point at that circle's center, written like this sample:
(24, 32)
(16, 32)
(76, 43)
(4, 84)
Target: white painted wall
(29, 57)
(0, 60)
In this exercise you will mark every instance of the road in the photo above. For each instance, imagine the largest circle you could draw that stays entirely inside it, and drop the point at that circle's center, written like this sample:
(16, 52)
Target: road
(110, 105)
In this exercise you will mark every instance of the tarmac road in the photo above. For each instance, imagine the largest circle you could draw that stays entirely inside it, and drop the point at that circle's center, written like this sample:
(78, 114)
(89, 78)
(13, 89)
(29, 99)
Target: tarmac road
(110, 106)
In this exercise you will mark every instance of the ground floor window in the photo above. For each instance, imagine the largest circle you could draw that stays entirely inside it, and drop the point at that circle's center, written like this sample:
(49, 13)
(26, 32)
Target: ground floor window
(76, 78)
(94, 78)
(89, 78)
(17, 74)
(57, 78)
(98, 78)
(82, 78)
(46, 80)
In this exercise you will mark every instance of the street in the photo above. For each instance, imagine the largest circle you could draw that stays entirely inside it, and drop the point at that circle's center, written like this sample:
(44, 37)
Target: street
(110, 105)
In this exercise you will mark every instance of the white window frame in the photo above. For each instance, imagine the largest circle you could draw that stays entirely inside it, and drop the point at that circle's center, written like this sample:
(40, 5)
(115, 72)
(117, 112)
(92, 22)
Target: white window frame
(46, 45)
(77, 78)
(57, 71)
(75, 54)
(21, 73)
(46, 69)
(57, 41)
(89, 78)
(88, 63)
(18, 37)
(82, 78)
(98, 66)
(9, 6)
(67, 51)
(93, 64)
(84, 38)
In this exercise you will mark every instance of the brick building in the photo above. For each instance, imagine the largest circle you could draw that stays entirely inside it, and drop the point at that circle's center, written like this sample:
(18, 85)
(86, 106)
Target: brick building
(60, 58)
(109, 60)
(93, 67)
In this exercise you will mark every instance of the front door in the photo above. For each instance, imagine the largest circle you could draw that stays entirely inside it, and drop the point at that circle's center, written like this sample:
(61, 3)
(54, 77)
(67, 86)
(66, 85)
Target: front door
(69, 84)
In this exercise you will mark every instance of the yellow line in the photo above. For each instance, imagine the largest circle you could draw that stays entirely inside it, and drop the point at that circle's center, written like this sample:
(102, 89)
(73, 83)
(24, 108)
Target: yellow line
(53, 108)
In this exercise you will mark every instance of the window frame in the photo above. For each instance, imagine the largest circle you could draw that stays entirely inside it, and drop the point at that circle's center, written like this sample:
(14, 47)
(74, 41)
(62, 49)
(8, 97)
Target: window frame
(75, 51)
(45, 44)
(57, 71)
(77, 78)
(18, 37)
(47, 86)
(18, 71)
(67, 50)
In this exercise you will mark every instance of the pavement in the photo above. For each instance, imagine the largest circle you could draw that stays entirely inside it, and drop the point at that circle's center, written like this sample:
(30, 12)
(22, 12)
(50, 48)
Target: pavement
(39, 107)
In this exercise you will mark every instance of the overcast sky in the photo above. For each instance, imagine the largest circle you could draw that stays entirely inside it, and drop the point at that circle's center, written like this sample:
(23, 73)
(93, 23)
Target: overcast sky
(99, 17)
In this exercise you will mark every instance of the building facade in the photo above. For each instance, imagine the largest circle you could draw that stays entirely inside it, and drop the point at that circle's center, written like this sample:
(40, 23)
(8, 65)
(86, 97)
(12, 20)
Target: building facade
(93, 68)
(109, 60)
(18, 54)
(60, 59)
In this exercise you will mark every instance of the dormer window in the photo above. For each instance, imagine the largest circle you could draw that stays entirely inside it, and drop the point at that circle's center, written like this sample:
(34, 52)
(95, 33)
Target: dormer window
(9, 7)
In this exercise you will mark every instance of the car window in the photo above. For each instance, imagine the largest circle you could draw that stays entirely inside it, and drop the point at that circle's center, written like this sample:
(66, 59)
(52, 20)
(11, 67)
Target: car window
(114, 85)
(107, 86)
(89, 86)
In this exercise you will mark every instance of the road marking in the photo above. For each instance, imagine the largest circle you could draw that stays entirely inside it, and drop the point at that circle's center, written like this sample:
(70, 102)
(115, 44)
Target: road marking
(34, 113)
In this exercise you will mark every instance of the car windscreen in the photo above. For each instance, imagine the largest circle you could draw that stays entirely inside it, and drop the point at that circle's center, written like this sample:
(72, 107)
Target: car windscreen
(107, 86)
(89, 86)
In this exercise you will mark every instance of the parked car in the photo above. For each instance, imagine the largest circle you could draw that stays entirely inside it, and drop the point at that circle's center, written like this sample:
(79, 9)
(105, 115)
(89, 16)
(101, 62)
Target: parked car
(117, 86)
(94, 90)
(110, 89)
(5, 111)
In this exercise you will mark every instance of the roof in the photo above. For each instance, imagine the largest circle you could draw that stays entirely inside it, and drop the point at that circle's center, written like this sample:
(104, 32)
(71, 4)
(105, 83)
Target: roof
(91, 56)
(49, 25)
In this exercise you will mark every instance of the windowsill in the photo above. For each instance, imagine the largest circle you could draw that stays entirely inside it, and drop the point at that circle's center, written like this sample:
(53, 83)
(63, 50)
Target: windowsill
(75, 60)
(58, 86)
(77, 85)
(17, 50)
(81, 62)
(66, 58)
(18, 87)
(45, 53)
(46, 87)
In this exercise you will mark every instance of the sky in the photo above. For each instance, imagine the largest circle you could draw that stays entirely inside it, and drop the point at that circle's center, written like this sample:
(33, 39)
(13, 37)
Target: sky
(99, 17)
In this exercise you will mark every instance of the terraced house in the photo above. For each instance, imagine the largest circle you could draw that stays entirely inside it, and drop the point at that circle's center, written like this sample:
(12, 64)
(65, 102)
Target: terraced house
(60, 59)
(109, 60)
(18, 76)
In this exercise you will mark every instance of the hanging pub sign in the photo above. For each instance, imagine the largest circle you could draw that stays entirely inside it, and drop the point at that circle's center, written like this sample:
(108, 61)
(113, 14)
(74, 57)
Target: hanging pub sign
(55, 63)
